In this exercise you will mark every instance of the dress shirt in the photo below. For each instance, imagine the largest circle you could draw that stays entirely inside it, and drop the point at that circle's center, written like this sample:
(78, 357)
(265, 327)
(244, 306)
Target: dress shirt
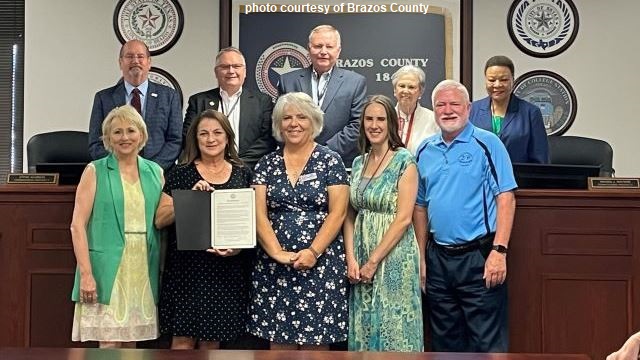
(143, 94)
(230, 106)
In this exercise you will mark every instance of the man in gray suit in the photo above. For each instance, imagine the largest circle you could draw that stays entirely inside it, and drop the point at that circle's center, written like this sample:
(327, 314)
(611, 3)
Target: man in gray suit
(159, 106)
(248, 112)
(340, 93)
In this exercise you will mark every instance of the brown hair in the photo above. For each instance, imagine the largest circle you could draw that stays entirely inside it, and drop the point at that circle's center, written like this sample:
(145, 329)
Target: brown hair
(191, 149)
(392, 124)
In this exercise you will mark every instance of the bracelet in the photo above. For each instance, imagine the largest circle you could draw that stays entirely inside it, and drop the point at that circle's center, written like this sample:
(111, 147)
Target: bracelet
(314, 252)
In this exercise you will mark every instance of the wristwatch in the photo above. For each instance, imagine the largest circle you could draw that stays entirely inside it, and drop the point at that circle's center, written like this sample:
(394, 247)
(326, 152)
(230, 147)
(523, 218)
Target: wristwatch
(500, 248)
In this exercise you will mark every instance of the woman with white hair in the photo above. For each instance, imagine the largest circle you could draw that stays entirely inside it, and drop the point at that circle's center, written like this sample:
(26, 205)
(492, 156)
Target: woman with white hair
(415, 123)
(299, 284)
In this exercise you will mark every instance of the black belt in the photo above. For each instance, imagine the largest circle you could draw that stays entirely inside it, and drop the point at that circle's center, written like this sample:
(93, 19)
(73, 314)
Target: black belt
(466, 247)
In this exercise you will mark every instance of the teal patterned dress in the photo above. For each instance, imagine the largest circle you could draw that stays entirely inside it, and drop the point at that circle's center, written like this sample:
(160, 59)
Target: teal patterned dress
(385, 315)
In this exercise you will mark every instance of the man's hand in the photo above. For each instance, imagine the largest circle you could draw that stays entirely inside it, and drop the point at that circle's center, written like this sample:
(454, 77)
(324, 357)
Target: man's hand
(495, 269)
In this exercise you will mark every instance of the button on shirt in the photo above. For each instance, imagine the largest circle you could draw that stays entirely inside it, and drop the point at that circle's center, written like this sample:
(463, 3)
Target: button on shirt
(230, 106)
(456, 183)
(143, 94)
(319, 85)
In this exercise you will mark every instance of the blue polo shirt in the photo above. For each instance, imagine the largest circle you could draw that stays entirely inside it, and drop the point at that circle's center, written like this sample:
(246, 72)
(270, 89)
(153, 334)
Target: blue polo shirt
(459, 183)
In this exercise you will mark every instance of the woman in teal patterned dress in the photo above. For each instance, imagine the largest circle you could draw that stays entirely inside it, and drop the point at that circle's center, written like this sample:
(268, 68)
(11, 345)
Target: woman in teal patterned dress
(383, 260)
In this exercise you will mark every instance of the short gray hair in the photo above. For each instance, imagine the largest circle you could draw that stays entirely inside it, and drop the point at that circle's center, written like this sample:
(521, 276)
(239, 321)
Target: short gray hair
(129, 114)
(229, 49)
(449, 85)
(410, 70)
(302, 102)
(321, 28)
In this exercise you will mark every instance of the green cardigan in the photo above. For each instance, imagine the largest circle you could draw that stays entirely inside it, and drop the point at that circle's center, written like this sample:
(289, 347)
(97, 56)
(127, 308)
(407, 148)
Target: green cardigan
(105, 230)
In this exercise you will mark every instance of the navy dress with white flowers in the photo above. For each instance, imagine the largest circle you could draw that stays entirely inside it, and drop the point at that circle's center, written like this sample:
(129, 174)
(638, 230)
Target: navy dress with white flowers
(300, 306)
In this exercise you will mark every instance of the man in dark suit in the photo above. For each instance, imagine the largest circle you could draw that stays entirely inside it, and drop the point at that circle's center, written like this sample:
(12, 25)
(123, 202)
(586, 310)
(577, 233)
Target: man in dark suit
(340, 93)
(248, 112)
(159, 106)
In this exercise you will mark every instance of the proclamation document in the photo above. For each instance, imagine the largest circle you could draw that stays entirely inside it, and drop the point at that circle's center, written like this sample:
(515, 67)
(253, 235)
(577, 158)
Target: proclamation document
(233, 223)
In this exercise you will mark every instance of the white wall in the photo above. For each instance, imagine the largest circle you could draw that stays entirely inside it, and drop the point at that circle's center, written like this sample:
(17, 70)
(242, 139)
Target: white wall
(601, 65)
(71, 52)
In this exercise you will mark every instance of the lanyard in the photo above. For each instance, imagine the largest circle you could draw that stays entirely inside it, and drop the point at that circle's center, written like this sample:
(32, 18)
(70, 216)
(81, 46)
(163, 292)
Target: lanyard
(409, 128)
(233, 107)
(321, 92)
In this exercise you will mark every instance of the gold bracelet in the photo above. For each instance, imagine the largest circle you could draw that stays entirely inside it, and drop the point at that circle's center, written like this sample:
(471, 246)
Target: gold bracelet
(314, 252)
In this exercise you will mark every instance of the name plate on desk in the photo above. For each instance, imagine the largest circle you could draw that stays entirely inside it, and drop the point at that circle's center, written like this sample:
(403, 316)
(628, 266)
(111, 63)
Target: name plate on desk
(609, 183)
(31, 178)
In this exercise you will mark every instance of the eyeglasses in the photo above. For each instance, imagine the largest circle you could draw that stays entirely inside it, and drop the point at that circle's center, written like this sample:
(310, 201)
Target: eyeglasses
(228, 67)
(135, 56)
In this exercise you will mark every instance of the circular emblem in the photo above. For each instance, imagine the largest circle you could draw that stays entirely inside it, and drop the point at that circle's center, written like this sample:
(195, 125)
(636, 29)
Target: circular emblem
(158, 23)
(553, 95)
(162, 77)
(543, 28)
(465, 159)
(277, 60)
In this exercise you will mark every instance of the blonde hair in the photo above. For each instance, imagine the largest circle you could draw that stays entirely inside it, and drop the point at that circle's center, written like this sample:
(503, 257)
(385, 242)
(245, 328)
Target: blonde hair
(126, 113)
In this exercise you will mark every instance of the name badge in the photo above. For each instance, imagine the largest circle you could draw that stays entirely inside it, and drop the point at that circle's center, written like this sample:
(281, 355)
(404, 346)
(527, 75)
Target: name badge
(307, 177)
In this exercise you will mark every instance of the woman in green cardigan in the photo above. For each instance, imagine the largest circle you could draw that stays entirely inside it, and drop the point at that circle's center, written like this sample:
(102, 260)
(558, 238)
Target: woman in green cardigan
(114, 239)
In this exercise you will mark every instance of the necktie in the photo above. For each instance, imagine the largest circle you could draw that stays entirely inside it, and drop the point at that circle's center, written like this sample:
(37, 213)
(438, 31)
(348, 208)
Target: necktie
(135, 100)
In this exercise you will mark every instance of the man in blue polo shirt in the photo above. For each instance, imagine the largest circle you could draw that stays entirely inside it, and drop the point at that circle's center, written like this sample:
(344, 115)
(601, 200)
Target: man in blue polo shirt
(465, 207)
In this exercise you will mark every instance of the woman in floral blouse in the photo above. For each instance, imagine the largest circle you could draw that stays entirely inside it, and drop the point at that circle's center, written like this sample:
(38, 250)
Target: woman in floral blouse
(299, 283)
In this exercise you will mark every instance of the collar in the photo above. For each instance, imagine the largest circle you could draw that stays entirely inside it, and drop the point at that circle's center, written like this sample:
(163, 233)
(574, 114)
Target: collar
(225, 95)
(142, 87)
(464, 136)
(326, 74)
(402, 114)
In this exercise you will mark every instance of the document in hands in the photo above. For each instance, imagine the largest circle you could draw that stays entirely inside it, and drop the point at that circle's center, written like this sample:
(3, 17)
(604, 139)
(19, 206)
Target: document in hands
(222, 219)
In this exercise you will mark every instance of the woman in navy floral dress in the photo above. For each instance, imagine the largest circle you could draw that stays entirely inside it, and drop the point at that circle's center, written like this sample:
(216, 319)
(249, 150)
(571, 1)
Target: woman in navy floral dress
(299, 298)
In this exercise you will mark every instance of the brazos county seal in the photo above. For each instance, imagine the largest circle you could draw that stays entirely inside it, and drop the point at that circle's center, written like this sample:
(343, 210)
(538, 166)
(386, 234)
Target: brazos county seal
(158, 23)
(279, 59)
(542, 28)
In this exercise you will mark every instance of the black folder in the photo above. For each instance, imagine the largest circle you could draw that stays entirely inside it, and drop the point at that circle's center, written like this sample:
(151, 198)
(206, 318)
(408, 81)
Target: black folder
(193, 219)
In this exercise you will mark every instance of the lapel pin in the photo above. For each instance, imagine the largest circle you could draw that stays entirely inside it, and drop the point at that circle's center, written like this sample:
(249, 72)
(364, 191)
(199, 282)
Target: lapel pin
(212, 103)
(154, 95)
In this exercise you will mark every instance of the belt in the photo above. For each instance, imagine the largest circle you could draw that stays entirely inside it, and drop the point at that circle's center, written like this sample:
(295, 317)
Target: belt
(459, 249)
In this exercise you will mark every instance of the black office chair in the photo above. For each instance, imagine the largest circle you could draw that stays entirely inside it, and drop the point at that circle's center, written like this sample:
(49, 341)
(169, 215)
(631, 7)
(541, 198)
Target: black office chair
(58, 147)
(578, 150)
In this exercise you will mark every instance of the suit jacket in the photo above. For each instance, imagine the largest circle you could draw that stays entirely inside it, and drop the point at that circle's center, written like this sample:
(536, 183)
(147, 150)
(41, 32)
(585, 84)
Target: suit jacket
(342, 106)
(255, 121)
(522, 133)
(105, 229)
(163, 116)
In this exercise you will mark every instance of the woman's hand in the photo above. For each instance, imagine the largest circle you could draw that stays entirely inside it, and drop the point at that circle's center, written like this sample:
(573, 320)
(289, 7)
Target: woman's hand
(202, 186)
(224, 252)
(353, 270)
(423, 275)
(304, 260)
(88, 291)
(368, 271)
(284, 257)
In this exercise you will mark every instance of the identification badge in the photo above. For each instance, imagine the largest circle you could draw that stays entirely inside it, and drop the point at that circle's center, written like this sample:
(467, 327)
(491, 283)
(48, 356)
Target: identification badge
(307, 177)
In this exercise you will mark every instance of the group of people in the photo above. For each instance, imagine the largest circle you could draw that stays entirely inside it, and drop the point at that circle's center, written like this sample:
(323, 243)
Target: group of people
(341, 257)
